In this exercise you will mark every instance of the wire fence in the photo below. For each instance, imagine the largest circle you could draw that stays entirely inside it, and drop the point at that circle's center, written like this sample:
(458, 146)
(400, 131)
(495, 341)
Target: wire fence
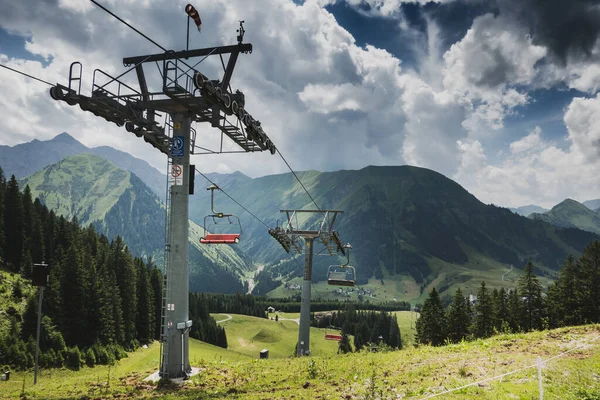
(539, 365)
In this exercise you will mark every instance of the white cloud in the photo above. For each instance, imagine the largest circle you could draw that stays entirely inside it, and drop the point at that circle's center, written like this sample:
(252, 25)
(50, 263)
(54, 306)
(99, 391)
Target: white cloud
(537, 171)
(326, 103)
(583, 123)
(485, 64)
(533, 141)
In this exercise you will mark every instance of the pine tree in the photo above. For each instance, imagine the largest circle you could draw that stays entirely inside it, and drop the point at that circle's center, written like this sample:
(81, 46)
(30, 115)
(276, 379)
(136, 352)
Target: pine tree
(2, 190)
(145, 304)
(36, 244)
(156, 284)
(74, 295)
(358, 341)
(483, 324)
(122, 263)
(344, 346)
(530, 289)
(590, 283)
(395, 338)
(13, 224)
(501, 314)
(27, 212)
(564, 296)
(431, 325)
(514, 311)
(458, 317)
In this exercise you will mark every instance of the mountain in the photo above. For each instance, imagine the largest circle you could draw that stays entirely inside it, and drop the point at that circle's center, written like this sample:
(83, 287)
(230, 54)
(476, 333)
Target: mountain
(117, 202)
(526, 210)
(592, 204)
(401, 221)
(27, 158)
(571, 214)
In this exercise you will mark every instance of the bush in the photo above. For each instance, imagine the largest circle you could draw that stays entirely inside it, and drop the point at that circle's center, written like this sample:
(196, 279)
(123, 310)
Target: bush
(102, 355)
(90, 358)
(73, 358)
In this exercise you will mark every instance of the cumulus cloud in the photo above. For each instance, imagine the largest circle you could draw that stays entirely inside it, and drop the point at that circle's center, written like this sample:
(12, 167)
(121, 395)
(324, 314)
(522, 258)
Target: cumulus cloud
(568, 29)
(385, 8)
(325, 102)
(538, 171)
(533, 141)
(485, 65)
(583, 123)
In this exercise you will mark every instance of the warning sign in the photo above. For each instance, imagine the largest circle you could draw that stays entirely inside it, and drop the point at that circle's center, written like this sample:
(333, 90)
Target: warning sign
(177, 174)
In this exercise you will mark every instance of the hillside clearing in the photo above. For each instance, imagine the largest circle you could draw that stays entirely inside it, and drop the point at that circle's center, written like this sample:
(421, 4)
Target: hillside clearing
(410, 373)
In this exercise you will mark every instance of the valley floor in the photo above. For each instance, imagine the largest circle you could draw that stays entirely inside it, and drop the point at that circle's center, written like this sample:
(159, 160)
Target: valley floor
(502, 367)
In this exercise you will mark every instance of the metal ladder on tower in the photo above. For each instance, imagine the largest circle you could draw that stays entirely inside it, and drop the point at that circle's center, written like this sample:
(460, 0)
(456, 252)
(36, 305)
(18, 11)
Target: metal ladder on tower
(166, 290)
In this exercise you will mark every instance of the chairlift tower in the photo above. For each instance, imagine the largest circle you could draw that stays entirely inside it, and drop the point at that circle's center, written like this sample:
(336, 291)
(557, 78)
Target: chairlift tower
(186, 95)
(289, 237)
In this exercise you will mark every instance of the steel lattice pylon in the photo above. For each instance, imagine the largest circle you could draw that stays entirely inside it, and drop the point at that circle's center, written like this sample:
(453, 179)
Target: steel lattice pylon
(187, 96)
(289, 237)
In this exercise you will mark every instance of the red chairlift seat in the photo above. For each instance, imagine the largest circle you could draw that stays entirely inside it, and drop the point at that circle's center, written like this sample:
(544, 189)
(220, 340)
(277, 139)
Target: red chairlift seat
(221, 238)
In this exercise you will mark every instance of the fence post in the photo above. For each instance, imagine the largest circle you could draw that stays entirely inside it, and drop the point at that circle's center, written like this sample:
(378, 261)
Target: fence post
(539, 365)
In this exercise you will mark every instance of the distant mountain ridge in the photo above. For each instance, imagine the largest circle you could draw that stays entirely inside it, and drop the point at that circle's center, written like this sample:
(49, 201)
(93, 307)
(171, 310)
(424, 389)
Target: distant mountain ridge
(402, 222)
(571, 214)
(399, 220)
(526, 210)
(592, 204)
(28, 158)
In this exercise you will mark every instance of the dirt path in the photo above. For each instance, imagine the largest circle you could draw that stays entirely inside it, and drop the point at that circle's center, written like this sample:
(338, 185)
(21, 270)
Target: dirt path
(296, 320)
(226, 319)
(507, 272)
(251, 283)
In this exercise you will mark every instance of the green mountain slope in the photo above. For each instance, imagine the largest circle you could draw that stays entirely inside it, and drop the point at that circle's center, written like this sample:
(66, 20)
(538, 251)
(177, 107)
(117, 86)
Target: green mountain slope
(402, 222)
(28, 158)
(117, 202)
(571, 214)
(83, 186)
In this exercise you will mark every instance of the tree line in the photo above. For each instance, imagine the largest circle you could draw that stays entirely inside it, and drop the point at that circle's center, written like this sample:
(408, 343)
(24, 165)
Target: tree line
(257, 306)
(573, 299)
(368, 327)
(100, 300)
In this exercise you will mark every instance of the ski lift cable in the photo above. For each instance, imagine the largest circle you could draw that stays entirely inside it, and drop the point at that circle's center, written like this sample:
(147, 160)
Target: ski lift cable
(140, 33)
(232, 199)
(27, 75)
(128, 24)
(164, 49)
(299, 181)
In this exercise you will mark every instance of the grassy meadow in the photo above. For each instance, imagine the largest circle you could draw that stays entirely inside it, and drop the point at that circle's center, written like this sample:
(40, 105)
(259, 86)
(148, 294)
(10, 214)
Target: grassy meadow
(571, 372)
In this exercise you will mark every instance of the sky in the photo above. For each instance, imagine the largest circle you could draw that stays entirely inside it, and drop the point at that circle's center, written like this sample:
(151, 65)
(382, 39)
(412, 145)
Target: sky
(498, 95)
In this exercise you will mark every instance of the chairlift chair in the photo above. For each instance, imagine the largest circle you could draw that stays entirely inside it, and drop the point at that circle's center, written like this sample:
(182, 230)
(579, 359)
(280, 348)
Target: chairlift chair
(332, 336)
(219, 238)
(342, 275)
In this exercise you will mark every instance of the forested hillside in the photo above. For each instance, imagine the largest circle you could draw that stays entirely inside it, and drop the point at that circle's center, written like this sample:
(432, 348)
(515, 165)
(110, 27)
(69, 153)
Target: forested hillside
(401, 221)
(573, 299)
(118, 203)
(100, 300)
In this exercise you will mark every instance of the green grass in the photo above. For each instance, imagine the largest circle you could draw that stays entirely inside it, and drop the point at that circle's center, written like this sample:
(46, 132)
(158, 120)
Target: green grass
(409, 373)
(123, 377)
(403, 317)
(249, 335)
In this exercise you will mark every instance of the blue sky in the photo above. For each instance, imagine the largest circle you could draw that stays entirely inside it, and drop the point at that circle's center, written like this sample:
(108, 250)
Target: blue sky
(483, 92)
